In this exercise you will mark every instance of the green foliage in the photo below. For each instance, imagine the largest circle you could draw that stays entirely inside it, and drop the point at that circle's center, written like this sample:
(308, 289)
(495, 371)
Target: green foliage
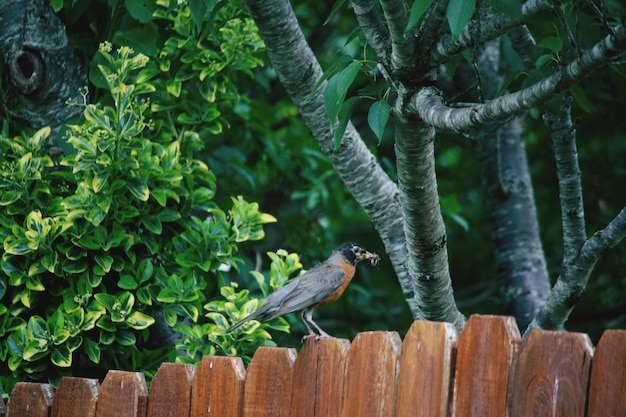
(211, 339)
(99, 241)
(459, 13)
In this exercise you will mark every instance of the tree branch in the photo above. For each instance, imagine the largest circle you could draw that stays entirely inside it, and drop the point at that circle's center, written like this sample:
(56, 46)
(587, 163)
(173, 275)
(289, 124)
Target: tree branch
(495, 26)
(429, 31)
(572, 282)
(357, 167)
(375, 32)
(423, 223)
(429, 104)
(568, 172)
(402, 46)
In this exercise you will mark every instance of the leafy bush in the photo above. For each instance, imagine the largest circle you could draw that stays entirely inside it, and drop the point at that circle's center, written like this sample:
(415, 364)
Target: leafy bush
(122, 228)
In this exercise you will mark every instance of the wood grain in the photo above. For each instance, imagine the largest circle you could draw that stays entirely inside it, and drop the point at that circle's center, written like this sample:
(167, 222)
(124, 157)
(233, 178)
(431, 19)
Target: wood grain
(426, 370)
(607, 386)
(487, 347)
(267, 389)
(218, 387)
(551, 375)
(30, 399)
(371, 372)
(75, 397)
(170, 391)
(317, 384)
(123, 394)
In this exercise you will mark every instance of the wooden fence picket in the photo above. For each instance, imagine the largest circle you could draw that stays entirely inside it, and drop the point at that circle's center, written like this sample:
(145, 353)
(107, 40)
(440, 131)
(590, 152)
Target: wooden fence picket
(76, 397)
(370, 376)
(267, 391)
(123, 394)
(317, 383)
(485, 371)
(218, 387)
(607, 385)
(426, 370)
(30, 399)
(170, 391)
(487, 347)
(551, 375)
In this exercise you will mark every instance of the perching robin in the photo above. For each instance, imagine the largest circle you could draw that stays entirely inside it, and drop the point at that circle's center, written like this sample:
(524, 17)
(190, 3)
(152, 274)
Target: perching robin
(318, 286)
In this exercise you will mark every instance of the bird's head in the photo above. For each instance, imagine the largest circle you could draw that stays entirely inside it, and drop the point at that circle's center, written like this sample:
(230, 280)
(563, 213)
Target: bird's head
(354, 253)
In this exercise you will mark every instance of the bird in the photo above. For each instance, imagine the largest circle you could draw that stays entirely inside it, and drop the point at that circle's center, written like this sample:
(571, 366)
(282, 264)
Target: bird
(320, 285)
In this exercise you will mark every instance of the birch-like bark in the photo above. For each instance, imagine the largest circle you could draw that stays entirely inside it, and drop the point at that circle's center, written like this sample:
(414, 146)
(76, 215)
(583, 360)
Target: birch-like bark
(429, 104)
(521, 267)
(357, 167)
(423, 226)
(571, 284)
(570, 189)
(522, 273)
(375, 32)
(403, 46)
(491, 27)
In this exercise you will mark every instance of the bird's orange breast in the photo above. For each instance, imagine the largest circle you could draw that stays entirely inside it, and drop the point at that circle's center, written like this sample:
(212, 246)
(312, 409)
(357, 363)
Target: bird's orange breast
(349, 270)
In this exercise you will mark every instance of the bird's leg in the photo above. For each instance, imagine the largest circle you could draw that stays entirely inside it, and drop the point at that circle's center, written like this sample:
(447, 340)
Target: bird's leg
(306, 324)
(308, 316)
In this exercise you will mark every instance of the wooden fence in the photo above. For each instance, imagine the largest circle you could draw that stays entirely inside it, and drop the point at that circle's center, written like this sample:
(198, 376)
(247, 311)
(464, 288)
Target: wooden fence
(486, 371)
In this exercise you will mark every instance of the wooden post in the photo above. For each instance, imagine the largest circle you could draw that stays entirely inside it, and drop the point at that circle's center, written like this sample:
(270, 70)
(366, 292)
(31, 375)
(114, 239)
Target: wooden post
(30, 399)
(317, 387)
(551, 375)
(170, 391)
(268, 383)
(426, 370)
(217, 389)
(371, 371)
(487, 347)
(123, 394)
(75, 397)
(607, 386)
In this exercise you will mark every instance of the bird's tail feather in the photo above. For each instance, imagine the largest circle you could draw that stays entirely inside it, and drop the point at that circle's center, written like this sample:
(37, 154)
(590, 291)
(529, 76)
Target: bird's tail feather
(242, 321)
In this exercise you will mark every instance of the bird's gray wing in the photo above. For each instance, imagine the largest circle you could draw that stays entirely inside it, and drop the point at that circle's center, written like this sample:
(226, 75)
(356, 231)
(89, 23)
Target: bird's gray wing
(311, 288)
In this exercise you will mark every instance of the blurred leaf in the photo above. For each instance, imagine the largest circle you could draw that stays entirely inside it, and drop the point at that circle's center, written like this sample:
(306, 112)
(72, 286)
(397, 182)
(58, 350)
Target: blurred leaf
(459, 13)
(418, 9)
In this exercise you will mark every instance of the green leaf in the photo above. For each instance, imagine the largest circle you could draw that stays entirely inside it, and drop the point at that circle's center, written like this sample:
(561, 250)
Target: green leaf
(580, 97)
(543, 60)
(104, 261)
(336, 91)
(92, 350)
(125, 338)
(139, 321)
(508, 80)
(197, 9)
(511, 8)
(141, 10)
(418, 9)
(138, 189)
(345, 112)
(336, 6)
(127, 282)
(377, 118)
(61, 357)
(141, 39)
(553, 43)
(459, 14)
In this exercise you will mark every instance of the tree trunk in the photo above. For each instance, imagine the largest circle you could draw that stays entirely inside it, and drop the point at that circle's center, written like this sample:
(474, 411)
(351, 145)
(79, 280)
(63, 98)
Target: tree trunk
(43, 70)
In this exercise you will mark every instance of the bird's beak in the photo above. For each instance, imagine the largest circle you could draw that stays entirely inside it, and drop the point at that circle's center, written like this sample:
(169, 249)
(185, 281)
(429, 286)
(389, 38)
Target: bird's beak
(372, 257)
